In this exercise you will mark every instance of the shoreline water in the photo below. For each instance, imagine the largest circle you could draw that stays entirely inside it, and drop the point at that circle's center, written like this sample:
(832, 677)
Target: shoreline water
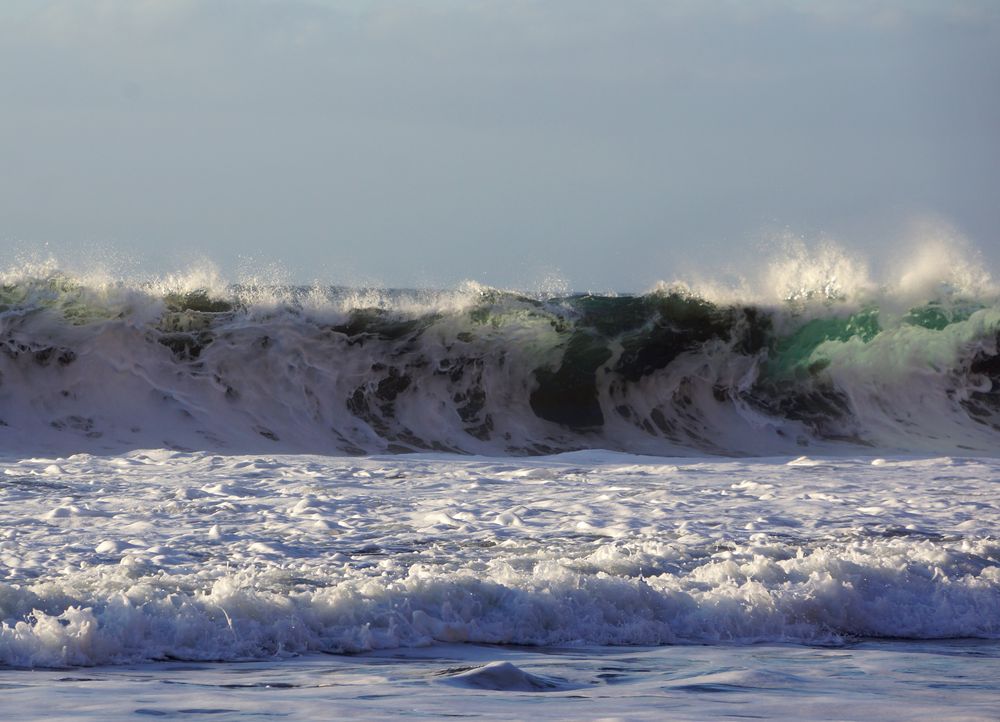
(871, 679)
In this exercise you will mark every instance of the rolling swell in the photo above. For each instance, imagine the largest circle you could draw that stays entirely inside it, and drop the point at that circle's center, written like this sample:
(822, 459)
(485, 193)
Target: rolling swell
(86, 367)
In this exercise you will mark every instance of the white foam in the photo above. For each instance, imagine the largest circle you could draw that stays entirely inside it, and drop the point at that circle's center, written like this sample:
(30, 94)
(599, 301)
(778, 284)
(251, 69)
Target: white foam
(197, 556)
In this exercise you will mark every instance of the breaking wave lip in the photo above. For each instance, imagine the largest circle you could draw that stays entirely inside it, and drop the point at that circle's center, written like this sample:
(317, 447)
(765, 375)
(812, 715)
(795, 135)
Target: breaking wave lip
(117, 366)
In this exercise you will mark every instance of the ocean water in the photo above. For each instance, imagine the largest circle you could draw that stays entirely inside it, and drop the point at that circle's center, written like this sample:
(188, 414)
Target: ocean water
(250, 500)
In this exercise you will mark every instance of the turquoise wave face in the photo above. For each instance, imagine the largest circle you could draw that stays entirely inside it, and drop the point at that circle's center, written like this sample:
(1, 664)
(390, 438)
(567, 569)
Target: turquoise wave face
(486, 371)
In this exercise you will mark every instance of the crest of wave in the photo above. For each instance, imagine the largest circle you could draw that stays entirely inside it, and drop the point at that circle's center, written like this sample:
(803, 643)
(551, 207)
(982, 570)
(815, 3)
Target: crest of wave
(324, 303)
(92, 291)
(794, 272)
(104, 288)
(933, 263)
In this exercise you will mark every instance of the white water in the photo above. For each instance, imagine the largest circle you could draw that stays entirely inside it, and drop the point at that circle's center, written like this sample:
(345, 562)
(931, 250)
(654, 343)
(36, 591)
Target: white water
(198, 556)
(160, 554)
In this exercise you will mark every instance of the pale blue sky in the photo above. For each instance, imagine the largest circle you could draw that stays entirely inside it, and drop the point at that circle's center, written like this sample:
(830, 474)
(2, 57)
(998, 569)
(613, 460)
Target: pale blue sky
(611, 143)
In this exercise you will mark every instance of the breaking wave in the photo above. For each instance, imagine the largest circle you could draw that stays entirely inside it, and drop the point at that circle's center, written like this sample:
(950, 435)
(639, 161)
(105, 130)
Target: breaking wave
(90, 366)
(830, 595)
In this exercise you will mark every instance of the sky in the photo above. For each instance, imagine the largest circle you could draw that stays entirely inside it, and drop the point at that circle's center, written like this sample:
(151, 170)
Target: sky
(600, 145)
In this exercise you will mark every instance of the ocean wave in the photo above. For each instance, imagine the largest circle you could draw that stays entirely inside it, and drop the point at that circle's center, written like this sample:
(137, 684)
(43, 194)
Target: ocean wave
(113, 366)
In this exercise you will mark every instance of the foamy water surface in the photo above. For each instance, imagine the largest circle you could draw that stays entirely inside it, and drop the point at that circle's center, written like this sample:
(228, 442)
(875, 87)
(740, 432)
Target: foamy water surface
(163, 555)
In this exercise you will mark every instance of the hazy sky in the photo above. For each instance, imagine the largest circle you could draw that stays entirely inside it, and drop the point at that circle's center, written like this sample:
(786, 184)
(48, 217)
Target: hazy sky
(610, 143)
